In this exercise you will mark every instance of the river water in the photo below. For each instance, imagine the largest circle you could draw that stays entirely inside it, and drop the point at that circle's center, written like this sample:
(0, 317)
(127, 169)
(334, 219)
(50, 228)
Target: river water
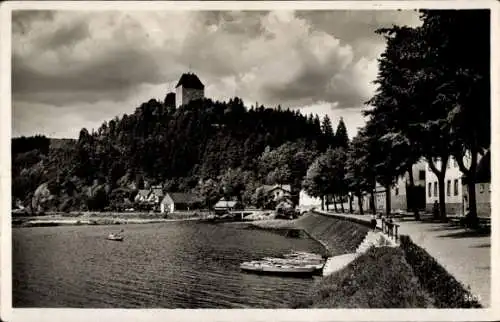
(167, 265)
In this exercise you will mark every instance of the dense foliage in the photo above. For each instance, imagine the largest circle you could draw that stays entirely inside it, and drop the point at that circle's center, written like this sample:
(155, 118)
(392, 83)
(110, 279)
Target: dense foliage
(212, 148)
(433, 98)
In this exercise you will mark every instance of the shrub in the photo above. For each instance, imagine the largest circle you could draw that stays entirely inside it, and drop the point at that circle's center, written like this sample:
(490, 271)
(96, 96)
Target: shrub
(444, 288)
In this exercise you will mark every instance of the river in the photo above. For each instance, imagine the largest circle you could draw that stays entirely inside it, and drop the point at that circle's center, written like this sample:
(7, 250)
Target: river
(165, 265)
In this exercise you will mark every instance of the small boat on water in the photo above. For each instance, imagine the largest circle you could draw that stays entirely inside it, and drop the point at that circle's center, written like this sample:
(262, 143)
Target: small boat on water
(318, 263)
(294, 263)
(264, 267)
(303, 256)
(116, 237)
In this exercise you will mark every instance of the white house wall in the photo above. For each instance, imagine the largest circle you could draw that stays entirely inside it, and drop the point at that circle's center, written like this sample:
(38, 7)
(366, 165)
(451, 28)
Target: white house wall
(453, 190)
(306, 200)
(184, 95)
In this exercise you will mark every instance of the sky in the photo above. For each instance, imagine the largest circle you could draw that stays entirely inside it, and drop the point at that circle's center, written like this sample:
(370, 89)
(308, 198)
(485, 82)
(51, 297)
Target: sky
(75, 69)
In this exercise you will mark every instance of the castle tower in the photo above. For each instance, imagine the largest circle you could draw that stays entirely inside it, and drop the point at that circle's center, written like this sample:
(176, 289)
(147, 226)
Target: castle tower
(188, 88)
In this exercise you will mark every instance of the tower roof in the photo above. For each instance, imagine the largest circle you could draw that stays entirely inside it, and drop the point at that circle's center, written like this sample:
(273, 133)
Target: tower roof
(190, 80)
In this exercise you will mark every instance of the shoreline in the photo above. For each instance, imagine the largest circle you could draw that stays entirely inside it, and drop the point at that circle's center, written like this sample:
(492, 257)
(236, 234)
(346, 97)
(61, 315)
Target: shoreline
(97, 221)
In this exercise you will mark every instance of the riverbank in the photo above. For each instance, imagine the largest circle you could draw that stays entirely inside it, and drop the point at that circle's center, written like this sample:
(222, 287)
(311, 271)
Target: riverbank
(102, 219)
(380, 278)
(337, 236)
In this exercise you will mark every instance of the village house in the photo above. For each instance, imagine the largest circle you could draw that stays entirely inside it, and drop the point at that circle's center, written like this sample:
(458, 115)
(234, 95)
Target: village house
(456, 192)
(179, 201)
(142, 196)
(156, 195)
(405, 199)
(278, 192)
(223, 205)
(483, 186)
(426, 190)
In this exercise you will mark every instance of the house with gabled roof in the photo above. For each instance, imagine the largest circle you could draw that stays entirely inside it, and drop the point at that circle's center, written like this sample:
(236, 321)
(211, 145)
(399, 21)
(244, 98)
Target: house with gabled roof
(156, 195)
(180, 201)
(278, 192)
(142, 195)
(225, 205)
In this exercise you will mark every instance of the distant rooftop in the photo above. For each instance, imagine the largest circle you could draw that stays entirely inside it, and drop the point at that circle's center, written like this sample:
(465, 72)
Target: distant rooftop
(190, 80)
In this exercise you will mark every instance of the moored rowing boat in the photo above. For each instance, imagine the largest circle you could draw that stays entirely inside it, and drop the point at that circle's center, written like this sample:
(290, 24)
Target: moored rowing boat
(282, 269)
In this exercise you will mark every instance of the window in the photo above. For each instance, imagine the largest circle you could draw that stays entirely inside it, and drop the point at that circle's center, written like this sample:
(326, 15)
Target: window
(397, 191)
(435, 189)
(481, 188)
(455, 187)
(421, 175)
(448, 188)
(430, 189)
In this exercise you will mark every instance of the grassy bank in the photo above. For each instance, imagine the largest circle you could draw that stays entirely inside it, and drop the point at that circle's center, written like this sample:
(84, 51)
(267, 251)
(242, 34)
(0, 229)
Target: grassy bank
(275, 224)
(339, 236)
(336, 235)
(380, 278)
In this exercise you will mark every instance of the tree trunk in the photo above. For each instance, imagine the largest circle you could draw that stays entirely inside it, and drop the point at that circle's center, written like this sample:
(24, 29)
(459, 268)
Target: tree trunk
(471, 187)
(360, 203)
(440, 174)
(472, 215)
(351, 196)
(322, 202)
(372, 203)
(335, 203)
(442, 201)
(342, 204)
(412, 193)
(470, 177)
(388, 200)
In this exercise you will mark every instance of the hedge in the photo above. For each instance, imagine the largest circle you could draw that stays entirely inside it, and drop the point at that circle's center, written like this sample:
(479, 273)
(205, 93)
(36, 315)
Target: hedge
(444, 288)
(379, 278)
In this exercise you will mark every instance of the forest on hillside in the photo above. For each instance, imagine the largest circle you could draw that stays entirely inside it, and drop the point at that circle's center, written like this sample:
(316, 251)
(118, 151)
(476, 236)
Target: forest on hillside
(211, 148)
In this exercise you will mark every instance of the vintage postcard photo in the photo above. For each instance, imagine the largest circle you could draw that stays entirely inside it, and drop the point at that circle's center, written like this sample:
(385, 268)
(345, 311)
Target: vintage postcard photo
(287, 157)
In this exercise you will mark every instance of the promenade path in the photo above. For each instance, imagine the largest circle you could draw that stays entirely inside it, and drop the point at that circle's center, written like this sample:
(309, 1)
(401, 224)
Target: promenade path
(465, 254)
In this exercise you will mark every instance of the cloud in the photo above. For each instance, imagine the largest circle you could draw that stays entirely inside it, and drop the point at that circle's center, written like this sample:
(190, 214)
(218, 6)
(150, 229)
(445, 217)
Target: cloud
(107, 61)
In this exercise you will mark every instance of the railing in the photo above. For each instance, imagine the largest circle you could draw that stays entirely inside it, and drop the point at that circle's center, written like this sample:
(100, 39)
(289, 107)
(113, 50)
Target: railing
(390, 228)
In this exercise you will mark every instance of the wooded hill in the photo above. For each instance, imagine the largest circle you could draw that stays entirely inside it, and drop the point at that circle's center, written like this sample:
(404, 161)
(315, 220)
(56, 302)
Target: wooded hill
(212, 148)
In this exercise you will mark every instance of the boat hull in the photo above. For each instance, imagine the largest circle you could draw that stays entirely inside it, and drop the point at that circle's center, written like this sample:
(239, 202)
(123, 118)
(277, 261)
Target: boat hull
(270, 269)
(114, 238)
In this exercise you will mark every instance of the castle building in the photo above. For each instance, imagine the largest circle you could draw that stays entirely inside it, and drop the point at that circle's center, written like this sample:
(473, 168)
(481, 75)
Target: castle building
(188, 88)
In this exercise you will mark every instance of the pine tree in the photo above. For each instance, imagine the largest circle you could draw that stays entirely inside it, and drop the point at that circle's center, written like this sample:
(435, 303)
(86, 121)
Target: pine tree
(341, 135)
(326, 127)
